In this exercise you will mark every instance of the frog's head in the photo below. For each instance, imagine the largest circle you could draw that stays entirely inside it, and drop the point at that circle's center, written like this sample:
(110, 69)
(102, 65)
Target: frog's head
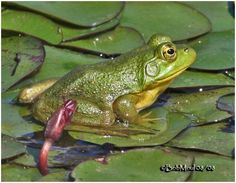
(167, 63)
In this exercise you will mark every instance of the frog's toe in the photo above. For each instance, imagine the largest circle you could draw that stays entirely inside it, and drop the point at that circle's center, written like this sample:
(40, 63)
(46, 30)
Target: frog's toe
(145, 118)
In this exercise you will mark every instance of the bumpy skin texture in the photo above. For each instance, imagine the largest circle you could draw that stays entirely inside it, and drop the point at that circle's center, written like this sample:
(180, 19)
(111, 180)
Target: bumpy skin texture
(119, 88)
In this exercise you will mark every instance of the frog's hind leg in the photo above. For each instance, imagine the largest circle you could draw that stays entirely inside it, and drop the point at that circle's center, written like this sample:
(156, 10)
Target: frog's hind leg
(93, 114)
(30, 93)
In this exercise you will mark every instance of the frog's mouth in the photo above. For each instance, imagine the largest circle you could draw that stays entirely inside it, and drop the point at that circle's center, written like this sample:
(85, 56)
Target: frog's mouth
(172, 76)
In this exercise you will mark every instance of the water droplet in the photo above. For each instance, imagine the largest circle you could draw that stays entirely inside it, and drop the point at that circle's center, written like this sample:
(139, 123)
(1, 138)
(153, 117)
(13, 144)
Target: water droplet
(107, 136)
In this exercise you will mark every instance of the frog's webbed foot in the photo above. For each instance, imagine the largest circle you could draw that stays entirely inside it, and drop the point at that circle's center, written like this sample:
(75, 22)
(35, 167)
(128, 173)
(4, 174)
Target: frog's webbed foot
(145, 118)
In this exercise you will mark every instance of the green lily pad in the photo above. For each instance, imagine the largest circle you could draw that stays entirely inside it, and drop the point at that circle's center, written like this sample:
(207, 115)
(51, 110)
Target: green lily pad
(200, 79)
(226, 103)
(120, 40)
(215, 51)
(26, 160)
(208, 137)
(166, 127)
(199, 106)
(46, 29)
(88, 14)
(140, 165)
(58, 62)
(223, 168)
(15, 173)
(60, 176)
(13, 123)
(164, 18)
(20, 57)
(218, 14)
(10, 147)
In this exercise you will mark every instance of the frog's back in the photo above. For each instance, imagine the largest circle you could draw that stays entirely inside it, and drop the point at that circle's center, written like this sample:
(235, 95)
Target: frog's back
(104, 81)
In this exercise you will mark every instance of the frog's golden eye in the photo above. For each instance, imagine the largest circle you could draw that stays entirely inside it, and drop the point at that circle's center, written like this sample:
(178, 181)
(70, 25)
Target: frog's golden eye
(152, 68)
(169, 52)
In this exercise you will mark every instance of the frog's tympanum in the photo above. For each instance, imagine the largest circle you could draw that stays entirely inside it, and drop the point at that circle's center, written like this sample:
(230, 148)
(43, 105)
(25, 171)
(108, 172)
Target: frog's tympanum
(117, 89)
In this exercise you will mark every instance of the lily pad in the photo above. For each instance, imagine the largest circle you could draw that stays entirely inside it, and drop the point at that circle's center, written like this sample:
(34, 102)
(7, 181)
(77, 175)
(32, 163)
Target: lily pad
(207, 137)
(199, 106)
(10, 147)
(166, 127)
(13, 124)
(140, 165)
(120, 40)
(226, 103)
(174, 19)
(60, 176)
(20, 57)
(201, 79)
(15, 173)
(46, 29)
(223, 168)
(26, 160)
(215, 51)
(88, 14)
(218, 14)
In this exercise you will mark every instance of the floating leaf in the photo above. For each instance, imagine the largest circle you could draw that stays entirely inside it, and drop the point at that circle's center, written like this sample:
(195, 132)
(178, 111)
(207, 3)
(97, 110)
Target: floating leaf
(200, 106)
(167, 126)
(15, 173)
(226, 103)
(224, 168)
(215, 51)
(218, 14)
(46, 29)
(13, 123)
(207, 137)
(20, 57)
(120, 40)
(10, 147)
(60, 176)
(26, 160)
(166, 18)
(200, 79)
(87, 14)
(140, 165)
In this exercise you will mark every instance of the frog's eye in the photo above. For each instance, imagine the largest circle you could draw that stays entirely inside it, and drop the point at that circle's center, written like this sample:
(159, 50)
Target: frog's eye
(168, 52)
(152, 68)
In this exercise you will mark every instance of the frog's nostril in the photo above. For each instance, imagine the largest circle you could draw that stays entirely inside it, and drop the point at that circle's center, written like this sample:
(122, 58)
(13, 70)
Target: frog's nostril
(186, 50)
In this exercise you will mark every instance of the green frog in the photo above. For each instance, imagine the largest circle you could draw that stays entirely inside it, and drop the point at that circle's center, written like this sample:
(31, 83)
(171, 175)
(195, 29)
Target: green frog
(115, 90)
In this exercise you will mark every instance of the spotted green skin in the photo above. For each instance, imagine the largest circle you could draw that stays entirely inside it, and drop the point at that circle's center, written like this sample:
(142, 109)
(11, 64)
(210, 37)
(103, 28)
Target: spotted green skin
(110, 90)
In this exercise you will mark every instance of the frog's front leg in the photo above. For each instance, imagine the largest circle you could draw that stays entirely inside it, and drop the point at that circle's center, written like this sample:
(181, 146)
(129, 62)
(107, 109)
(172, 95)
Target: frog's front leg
(125, 107)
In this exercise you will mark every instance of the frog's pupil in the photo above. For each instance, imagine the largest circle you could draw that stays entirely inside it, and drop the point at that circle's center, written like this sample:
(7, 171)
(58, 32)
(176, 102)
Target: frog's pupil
(170, 51)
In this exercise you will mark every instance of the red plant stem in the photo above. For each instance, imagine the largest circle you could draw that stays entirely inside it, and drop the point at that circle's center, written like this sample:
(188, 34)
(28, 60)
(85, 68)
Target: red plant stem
(53, 131)
(43, 163)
